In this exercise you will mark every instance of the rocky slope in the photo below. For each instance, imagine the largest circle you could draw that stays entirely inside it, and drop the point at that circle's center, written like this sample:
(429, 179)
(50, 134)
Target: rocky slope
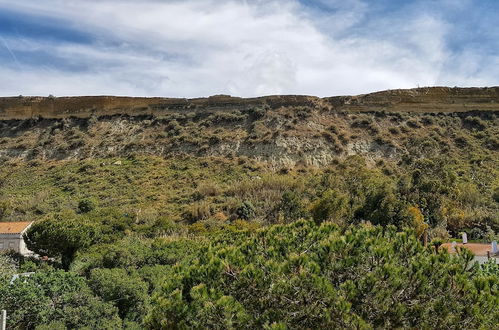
(436, 99)
(283, 130)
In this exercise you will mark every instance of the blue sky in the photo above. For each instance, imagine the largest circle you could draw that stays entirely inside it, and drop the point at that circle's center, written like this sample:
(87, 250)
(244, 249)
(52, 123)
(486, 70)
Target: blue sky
(196, 48)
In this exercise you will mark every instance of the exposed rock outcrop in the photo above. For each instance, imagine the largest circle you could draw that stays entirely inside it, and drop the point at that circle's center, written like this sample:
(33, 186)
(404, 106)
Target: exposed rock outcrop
(283, 130)
(431, 99)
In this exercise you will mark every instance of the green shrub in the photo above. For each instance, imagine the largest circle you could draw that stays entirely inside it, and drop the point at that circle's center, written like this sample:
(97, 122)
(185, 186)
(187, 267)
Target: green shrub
(126, 291)
(5, 209)
(291, 206)
(308, 276)
(86, 205)
(61, 236)
(475, 122)
(51, 297)
(245, 211)
(333, 206)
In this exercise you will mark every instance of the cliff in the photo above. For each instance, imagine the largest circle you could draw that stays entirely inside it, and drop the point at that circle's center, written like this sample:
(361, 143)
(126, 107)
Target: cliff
(434, 99)
(282, 130)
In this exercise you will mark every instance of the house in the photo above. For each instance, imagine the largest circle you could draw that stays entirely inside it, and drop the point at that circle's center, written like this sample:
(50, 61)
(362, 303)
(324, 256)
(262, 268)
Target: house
(11, 236)
(482, 252)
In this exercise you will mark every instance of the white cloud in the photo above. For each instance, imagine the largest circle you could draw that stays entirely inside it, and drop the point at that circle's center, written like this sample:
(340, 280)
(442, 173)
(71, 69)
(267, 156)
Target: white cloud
(267, 73)
(246, 48)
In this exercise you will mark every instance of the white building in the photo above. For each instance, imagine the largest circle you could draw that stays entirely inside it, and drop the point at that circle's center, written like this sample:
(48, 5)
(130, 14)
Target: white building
(11, 236)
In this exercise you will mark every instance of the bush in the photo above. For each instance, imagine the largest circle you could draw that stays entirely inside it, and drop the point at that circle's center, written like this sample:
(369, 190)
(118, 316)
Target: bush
(333, 206)
(291, 206)
(86, 205)
(475, 122)
(197, 212)
(208, 189)
(413, 123)
(394, 130)
(5, 209)
(245, 211)
(308, 276)
(493, 143)
(8, 266)
(362, 123)
(439, 233)
(127, 292)
(61, 236)
(495, 195)
(51, 297)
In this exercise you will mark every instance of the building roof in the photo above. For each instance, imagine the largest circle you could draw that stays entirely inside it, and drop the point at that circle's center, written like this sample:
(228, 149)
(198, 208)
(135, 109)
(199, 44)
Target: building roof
(476, 248)
(14, 227)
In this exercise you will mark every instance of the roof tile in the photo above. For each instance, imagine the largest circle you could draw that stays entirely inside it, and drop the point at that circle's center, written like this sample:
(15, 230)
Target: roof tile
(13, 227)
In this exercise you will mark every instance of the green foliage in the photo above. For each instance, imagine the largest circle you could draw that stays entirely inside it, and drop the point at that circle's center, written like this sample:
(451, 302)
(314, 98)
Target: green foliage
(333, 206)
(126, 291)
(308, 276)
(55, 298)
(86, 205)
(132, 253)
(61, 236)
(119, 224)
(383, 207)
(490, 269)
(452, 193)
(8, 266)
(496, 195)
(5, 209)
(291, 206)
(245, 211)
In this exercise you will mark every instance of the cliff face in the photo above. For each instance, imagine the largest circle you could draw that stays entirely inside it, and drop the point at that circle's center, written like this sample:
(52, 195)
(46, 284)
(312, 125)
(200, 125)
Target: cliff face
(87, 106)
(436, 99)
(283, 130)
(431, 99)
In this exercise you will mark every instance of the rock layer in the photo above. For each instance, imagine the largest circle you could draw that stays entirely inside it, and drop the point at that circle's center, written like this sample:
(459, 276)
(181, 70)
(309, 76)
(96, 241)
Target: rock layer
(284, 130)
(434, 99)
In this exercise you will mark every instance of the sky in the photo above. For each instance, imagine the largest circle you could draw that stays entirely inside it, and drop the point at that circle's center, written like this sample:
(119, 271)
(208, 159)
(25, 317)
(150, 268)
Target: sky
(196, 48)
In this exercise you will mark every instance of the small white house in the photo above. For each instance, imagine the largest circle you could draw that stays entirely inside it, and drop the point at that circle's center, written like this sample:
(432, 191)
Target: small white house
(11, 236)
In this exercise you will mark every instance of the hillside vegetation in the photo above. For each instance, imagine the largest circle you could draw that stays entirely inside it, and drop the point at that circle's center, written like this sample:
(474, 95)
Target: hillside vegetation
(275, 212)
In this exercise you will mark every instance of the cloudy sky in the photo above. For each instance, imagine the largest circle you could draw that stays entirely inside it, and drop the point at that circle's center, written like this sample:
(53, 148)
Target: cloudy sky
(195, 48)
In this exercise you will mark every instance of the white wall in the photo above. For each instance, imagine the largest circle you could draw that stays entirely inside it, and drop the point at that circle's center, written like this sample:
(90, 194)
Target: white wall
(13, 242)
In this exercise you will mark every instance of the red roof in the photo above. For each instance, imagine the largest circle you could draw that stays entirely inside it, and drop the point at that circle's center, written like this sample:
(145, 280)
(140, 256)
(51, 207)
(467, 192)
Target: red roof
(14, 227)
(476, 248)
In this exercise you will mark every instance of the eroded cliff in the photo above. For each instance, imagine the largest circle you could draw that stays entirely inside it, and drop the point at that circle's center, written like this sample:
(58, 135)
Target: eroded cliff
(435, 99)
(389, 125)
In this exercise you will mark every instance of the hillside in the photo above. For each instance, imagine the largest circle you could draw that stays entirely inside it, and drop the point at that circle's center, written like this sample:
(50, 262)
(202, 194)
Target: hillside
(429, 99)
(239, 213)
(66, 150)
(280, 129)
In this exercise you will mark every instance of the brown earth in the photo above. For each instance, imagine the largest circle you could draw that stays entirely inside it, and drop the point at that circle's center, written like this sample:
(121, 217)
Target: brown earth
(390, 126)
(427, 100)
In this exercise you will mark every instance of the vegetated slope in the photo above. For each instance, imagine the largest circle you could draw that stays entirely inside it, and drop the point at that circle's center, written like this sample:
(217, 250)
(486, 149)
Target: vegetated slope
(295, 276)
(282, 130)
(155, 207)
(202, 159)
